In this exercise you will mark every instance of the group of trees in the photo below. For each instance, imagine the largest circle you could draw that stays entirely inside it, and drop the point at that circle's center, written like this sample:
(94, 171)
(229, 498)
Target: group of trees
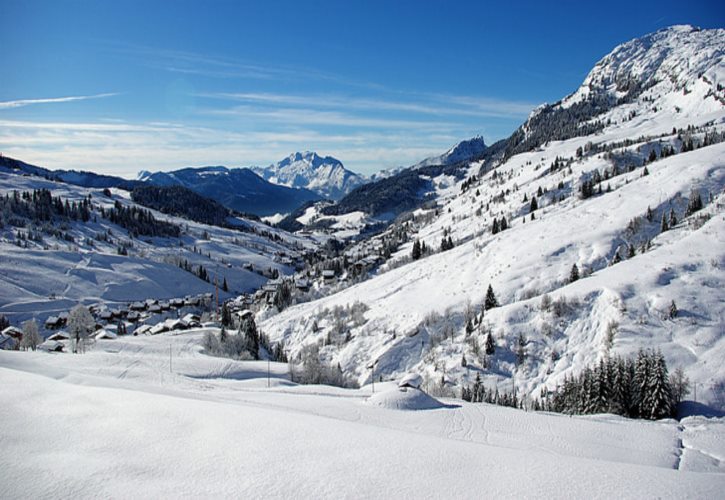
(499, 225)
(635, 387)
(309, 369)
(477, 393)
(40, 206)
(140, 222)
(244, 344)
(183, 202)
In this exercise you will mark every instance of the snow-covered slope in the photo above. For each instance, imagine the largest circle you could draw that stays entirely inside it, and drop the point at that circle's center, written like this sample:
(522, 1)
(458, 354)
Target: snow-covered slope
(124, 411)
(325, 176)
(417, 311)
(463, 151)
(80, 262)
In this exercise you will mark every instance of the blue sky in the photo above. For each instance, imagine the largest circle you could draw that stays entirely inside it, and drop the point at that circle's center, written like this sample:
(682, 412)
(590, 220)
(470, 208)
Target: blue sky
(121, 86)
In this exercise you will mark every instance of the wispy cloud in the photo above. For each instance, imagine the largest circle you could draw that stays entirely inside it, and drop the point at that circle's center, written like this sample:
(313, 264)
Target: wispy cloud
(124, 148)
(428, 104)
(19, 103)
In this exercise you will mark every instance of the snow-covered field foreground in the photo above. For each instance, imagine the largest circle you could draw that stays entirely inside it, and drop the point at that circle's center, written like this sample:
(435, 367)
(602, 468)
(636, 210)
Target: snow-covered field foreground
(153, 417)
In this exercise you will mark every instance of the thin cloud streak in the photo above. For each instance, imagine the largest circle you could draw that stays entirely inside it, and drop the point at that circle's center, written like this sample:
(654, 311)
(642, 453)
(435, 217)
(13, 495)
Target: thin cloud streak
(19, 103)
(444, 105)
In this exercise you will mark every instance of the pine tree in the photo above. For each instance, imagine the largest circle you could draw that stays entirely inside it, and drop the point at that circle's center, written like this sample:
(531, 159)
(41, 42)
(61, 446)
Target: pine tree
(416, 253)
(574, 273)
(490, 344)
(464, 363)
(534, 205)
(225, 287)
(504, 224)
(650, 215)
(494, 228)
(659, 393)
(673, 310)
(673, 218)
(491, 300)
(663, 224)
(694, 203)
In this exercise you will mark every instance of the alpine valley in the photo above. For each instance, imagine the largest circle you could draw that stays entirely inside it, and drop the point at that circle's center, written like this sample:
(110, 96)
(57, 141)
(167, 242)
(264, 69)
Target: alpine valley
(576, 267)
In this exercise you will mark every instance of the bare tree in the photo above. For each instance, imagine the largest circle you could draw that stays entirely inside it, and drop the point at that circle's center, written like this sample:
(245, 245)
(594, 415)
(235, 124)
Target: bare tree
(31, 336)
(80, 325)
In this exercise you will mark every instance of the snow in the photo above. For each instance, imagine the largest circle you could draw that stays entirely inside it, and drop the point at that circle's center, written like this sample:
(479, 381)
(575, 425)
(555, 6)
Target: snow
(113, 423)
(404, 398)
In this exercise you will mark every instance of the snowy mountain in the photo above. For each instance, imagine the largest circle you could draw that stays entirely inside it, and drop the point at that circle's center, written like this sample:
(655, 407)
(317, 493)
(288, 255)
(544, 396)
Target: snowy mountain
(326, 176)
(236, 188)
(682, 61)
(617, 174)
(463, 151)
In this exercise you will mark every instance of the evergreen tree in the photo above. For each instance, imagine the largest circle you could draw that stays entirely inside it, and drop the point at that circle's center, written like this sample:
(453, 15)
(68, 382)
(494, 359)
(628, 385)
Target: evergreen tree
(494, 228)
(659, 392)
(673, 218)
(694, 203)
(416, 253)
(491, 300)
(663, 225)
(225, 287)
(490, 344)
(574, 273)
(534, 205)
(673, 310)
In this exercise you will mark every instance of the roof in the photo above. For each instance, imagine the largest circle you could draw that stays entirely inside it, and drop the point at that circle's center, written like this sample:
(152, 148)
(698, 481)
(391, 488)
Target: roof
(59, 336)
(411, 380)
(13, 331)
(104, 334)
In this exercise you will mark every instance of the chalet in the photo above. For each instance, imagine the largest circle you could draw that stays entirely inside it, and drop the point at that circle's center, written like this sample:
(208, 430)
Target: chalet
(133, 316)
(52, 346)
(106, 315)
(411, 380)
(13, 332)
(138, 306)
(61, 335)
(302, 284)
(191, 321)
(328, 275)
(243, 315)
(164, 305)
(53, 322)
(142, 330)
(104, 333)
(177, 303)
(155, 308)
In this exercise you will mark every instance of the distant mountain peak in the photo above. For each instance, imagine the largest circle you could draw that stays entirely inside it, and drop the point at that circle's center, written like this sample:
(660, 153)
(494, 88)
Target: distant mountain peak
(324, 175)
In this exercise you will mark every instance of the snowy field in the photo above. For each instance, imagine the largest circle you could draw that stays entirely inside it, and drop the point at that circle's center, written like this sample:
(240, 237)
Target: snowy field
(153, 417)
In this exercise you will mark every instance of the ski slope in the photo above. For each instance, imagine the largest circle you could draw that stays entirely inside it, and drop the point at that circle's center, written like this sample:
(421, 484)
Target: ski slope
(128, 420)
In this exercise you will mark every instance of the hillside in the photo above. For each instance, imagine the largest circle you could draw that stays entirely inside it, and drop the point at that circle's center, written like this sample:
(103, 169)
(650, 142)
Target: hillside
(604, 175)
(86, 246)
(239, 189)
